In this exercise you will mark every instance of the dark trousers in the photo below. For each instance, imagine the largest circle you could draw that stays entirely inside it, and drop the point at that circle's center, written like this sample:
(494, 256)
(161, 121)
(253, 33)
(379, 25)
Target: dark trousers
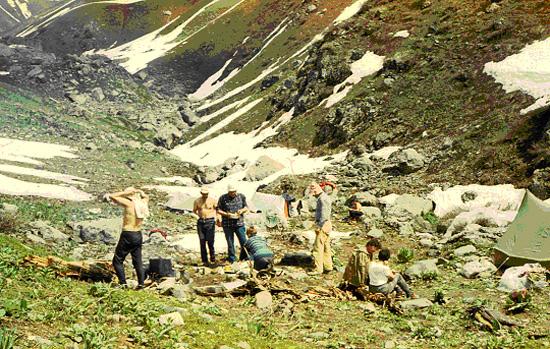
(263, 263)
(230, 233)
(206, 229)
(129, 243)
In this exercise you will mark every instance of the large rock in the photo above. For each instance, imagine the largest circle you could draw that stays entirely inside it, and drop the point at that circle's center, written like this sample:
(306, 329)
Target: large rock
(481, 267)
(371, 212)
(98, 231)
(263, 168)
(188, 115)
(168, 136)
(77, 98)
(464, 250)
(97, 94)
(8, 209)
(173, 319)
(366, 198)
(484, 216)
(409, 205)
(405, 161)
(46, 232)
(422, 267)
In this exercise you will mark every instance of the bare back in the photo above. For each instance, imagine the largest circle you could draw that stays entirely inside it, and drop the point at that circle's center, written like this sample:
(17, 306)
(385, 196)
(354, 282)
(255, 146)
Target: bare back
(129, 221)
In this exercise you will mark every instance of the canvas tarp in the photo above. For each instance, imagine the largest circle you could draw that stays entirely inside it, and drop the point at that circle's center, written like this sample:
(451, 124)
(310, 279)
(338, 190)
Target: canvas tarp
(527, 240)
(271, 206)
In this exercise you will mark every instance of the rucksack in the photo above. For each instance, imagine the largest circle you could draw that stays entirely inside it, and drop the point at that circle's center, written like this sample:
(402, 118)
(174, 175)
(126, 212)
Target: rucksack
(357, 270)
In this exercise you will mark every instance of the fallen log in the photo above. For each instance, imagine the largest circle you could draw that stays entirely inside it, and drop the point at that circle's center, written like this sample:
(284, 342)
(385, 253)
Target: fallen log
(97, 271)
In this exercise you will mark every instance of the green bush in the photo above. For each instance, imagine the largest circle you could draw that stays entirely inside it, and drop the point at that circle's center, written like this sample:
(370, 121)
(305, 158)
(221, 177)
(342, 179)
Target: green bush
(431, 217)
(405, 255)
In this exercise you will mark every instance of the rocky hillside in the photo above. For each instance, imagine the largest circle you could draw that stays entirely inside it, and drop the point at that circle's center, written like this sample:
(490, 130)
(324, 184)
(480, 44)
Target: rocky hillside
(14, 13)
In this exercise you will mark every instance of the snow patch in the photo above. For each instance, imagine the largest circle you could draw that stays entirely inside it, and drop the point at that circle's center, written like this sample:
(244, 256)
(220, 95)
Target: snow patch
(32, 28)
(9, 14)
(367, 65)
(350, 11)
(21, 6)
(42, 174)
(527, 71)
(212, 84)
(176, 180)
(384, 153)
(475, 196)
(4, 73)
(137, 54)
(12, 186)
(26, 151)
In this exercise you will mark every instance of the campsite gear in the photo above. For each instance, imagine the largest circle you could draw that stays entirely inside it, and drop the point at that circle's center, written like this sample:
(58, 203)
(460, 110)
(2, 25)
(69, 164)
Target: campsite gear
(527, 240)
(161, 232)
(160, 268)
(490, 319)
(297, 259)
(357, 269)
(130, 242)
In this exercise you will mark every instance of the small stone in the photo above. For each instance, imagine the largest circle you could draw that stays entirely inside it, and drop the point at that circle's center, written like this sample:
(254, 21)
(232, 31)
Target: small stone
(389, 345)
(173, 319)
(416, 303)
(311, 8)
(9, 208)
(243, 345)
(264, 300)
(319, 336)
(426, 243)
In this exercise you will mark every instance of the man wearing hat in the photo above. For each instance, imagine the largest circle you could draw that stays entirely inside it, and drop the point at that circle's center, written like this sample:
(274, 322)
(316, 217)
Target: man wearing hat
(205, 207)
(232, 206)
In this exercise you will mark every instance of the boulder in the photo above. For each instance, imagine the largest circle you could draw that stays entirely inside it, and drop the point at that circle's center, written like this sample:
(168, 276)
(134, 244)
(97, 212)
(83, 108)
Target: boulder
(263, 168)
(97, 94)
(173, 319)
(483, 216)
(406, 229)
(188, 115)
(410, 205)
(77, 98)
(481, 267)
(375, 233)
(465, 250)
(46, 232)
(8, 209)
(422, 267)
(366, 198)
(405, 161)
(105, 230)
(371, 212)
(418, 303)
(167, 136)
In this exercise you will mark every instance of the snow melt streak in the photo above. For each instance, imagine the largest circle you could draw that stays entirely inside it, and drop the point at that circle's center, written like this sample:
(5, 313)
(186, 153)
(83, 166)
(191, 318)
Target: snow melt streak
(527, 71)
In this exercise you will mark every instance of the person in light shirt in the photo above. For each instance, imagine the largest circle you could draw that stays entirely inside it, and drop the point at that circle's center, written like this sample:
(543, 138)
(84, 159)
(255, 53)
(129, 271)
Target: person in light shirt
(384, 280)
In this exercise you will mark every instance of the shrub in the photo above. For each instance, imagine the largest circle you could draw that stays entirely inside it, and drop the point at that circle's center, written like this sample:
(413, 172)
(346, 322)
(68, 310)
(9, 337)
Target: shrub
(431, 218)
(9, 223)
(404, 255)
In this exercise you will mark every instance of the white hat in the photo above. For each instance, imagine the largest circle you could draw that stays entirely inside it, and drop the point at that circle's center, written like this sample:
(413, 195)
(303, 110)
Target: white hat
(204, 190)
(231, 187)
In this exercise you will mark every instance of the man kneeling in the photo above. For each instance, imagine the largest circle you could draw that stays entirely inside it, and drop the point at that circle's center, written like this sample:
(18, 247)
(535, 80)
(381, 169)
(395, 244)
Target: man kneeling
(258, 251)
(384, 280)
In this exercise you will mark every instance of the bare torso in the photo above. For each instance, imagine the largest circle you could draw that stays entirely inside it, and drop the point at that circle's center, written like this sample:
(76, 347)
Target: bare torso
(129, 221)
(205, 208)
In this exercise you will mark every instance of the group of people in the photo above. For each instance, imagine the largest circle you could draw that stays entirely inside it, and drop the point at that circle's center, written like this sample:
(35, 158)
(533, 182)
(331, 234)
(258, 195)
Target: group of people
(228, 212)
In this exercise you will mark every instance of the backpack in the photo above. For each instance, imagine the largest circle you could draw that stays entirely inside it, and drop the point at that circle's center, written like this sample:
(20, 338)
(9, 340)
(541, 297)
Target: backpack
(357, 270)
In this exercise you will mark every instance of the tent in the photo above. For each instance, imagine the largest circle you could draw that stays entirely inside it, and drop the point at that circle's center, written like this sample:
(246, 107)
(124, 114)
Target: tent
(527, 240)
(272, 208)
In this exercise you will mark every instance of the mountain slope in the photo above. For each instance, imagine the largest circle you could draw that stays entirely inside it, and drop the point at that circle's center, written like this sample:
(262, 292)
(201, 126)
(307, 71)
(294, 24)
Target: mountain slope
(17, 12)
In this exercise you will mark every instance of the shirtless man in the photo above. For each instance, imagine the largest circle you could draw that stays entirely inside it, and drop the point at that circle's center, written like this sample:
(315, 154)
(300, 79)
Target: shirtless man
(135, 203)
(205, 207)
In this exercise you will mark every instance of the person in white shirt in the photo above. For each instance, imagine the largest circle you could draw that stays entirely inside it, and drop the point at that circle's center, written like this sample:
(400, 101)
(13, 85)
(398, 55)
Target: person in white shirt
(384, 280)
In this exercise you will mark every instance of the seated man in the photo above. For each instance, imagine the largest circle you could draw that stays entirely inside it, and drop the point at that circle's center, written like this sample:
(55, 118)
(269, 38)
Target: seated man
(384, 280)
(355, 211)
(357, 270)
(258, 251)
